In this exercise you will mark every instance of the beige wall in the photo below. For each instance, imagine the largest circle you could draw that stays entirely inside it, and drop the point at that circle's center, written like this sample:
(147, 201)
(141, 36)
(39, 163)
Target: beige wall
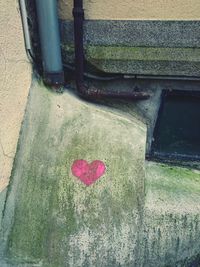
(135, 9)
(15, 78)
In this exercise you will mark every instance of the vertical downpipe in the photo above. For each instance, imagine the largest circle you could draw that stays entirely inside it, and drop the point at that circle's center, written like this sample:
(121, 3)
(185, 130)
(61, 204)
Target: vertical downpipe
(78, 13)
(50, 42)
(83, 91)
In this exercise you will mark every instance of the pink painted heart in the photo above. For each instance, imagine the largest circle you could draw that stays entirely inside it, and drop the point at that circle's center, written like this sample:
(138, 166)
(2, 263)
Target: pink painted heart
(88, 173)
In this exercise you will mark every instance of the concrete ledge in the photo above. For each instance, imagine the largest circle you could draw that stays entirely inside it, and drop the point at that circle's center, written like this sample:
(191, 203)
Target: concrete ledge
(143, 53)
(136, 33)
(141, 60)
(139, 47)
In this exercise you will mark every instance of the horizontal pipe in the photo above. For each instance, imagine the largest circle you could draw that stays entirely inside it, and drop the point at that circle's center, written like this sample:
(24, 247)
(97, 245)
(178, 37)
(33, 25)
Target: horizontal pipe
(94, 93)
(95, 76)
(163, 77)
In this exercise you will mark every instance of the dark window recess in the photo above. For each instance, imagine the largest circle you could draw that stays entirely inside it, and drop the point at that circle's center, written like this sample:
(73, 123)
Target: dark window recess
(177, 131)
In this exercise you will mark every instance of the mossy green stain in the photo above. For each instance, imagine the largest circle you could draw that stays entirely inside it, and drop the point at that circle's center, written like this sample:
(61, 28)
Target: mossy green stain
(124, 53)
(52, 206)
(176, 180)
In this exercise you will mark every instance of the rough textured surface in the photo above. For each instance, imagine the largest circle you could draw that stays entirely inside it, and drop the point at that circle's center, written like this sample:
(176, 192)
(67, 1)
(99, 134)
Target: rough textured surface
(15, 81)
(57, 219)
(146, 61)
(49, 218)
(171, 216)
(129, 9)
(169, 48)
(136, 33)
(52, 219)
(140, 60)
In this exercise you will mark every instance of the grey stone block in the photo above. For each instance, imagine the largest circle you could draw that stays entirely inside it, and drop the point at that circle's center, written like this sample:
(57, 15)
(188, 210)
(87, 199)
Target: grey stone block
(136, 33)
(169, 48)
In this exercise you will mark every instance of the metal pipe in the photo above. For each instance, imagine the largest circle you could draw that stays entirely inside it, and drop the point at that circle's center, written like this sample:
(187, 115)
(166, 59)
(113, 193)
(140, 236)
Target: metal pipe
(167, 77)
(89, 75)
(25, 24)
(27, 38)
(92, 93)
(50, 42)
(78, 14)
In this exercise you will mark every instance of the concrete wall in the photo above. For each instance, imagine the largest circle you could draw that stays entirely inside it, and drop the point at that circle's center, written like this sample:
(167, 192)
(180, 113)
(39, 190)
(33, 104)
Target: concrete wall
(49, 217)
(135, 9)
(15, 78)
(131, 217)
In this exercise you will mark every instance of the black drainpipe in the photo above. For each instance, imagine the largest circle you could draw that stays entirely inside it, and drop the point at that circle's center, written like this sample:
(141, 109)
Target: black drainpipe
(92, 93)
(78, 14)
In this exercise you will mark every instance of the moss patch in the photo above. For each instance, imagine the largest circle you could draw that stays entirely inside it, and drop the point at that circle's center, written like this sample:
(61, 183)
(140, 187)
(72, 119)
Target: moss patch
(176, 180)
(140, 60)
(125, 53)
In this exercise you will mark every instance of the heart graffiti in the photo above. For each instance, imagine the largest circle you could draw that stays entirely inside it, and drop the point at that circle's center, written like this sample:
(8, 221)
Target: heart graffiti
(88, 173)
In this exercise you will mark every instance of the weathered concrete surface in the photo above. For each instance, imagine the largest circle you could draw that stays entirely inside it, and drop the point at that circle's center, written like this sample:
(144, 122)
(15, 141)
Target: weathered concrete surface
(146, 61)
(136, 33)
(15, 81)
(52, 219)
(146, 110)
(169, 48)
(171, 217)
(133, 10)
(57, 219)
(141, 60)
